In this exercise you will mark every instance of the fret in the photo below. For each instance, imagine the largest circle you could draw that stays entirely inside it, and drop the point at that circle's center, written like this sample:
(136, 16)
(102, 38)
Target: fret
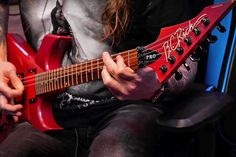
(44, 85)
(57, 79)
(98, 73)
(42, 82)
(64, 78)
(54, 80)
(47, 82)
(91, 70)
(77, 73)
(36, 84)
(50, 81)
(72, 75)
(39, 83)
(86, 71)
(128, 58)
(81, 73)
(67, 74)
(61, 78)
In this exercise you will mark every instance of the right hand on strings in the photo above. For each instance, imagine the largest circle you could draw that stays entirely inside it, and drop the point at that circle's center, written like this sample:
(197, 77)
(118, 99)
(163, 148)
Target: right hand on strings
(10, 88)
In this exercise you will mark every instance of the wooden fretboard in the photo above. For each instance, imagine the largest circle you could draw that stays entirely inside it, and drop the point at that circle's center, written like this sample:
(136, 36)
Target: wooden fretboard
(65, 77)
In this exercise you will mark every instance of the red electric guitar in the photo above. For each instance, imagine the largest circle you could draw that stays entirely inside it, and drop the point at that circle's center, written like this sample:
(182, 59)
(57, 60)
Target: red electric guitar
(42, 75)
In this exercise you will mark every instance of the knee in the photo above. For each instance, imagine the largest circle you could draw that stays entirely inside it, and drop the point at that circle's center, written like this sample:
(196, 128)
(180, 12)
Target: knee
(128, 133)
(107, 144)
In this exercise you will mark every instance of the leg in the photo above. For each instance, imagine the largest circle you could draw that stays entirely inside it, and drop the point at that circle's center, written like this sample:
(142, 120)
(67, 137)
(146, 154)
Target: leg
(25, 141)
(131, 132)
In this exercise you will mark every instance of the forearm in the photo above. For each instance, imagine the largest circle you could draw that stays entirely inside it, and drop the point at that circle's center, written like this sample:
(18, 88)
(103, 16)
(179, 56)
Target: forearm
(4, 9)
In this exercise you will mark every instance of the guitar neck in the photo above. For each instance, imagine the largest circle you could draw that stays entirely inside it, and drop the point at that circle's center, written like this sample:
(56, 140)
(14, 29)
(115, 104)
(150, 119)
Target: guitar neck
(65, 77)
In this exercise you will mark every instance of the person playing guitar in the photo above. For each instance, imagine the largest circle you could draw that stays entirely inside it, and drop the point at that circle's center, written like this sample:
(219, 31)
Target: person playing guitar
(114, 115)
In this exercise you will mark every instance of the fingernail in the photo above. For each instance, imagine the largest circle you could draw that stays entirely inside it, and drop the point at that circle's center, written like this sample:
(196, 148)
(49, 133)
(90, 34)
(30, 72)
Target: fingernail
(106, 53)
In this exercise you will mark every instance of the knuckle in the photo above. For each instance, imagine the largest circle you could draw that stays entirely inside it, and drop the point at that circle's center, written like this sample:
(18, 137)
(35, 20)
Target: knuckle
(125, 93)
(9, 95)
(138, 79)
(8, 66)
(11, 66)
(107, 82)
(120, 71)
(21, 91)
(131, 88)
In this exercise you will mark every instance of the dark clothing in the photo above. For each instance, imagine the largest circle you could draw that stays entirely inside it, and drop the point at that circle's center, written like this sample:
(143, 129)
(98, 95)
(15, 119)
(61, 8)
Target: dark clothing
(82, 20)
(147, 18)
(129, 131)
(109, 128)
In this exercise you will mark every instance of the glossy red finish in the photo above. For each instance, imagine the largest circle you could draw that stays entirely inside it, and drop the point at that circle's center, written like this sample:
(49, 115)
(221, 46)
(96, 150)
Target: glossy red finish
(170, 36)
(38, 113)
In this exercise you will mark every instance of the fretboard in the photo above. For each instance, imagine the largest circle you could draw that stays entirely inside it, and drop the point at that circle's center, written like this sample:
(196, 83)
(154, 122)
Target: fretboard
(65, 77)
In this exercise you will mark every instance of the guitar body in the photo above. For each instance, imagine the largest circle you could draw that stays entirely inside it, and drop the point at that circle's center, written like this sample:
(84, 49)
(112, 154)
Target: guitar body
(37, 109)
(43, 76)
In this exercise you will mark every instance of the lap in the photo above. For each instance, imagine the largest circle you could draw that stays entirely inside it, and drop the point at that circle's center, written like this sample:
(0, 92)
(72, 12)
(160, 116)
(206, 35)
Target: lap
(25, 141)
(131, 130)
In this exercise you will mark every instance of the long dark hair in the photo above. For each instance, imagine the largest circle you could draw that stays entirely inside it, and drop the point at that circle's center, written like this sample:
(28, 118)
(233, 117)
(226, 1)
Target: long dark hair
(115, 19)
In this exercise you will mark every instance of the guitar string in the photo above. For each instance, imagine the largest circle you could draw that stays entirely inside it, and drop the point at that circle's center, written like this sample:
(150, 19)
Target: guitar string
(95, 60)
(27, 79)
(61, 86)
(47, 87)
(132, 56)
(72, 72)
(154, 47)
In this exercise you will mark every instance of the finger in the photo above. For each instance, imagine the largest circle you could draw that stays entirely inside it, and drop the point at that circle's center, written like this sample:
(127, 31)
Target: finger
(15, 80)
(147, 72)
(15, 118)
(109, 63)
(9, 92)
(120, 62)
(109, 81)
(123, 71)
(18, 113)
(11, 108)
